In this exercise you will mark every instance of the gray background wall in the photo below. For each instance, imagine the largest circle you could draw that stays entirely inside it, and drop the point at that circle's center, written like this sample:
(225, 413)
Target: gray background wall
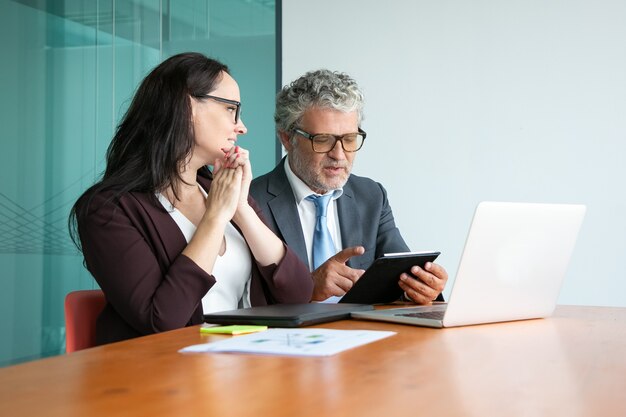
(485, 100)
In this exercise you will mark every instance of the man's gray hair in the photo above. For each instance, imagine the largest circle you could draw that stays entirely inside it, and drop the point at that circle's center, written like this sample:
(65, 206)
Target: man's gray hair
(321, 88)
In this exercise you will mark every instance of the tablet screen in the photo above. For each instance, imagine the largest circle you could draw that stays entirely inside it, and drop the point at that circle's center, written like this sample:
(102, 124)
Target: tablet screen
(379, 283)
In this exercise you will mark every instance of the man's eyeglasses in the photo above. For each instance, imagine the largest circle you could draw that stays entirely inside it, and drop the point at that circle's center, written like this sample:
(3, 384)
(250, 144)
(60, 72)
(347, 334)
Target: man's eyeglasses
(237, 104)
(325, 142)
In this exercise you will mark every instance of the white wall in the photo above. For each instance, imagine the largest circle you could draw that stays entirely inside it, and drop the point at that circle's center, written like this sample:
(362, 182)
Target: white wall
(518, 100)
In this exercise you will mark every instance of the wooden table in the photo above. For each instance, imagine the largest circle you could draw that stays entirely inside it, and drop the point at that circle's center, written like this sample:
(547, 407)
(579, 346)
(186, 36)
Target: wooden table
(572, 364)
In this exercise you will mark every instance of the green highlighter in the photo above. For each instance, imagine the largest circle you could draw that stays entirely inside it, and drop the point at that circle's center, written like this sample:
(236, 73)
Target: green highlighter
(234, 330)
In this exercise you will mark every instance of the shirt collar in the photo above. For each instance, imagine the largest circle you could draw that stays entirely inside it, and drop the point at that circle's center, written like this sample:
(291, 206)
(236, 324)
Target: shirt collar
(299, 187)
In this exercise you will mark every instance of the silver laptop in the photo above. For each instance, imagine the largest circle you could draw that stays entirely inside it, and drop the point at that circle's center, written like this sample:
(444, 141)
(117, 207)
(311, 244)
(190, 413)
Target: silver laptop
(512, 267)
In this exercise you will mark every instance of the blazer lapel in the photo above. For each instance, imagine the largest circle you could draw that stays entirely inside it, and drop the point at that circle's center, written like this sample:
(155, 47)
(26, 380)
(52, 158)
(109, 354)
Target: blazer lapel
(172, 239)
(163, 230)
(349, 220)
(285, 213)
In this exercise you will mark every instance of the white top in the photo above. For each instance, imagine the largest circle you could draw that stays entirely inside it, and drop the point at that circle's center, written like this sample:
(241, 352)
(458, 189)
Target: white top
(232, 270)
(307, 213)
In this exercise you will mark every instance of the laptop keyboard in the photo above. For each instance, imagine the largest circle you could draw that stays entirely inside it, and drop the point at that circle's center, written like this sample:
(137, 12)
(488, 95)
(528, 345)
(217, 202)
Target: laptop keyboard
(435, 315)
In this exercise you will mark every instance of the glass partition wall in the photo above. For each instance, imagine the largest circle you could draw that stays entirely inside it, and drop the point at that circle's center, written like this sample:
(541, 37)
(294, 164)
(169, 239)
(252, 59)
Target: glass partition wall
(69, 69)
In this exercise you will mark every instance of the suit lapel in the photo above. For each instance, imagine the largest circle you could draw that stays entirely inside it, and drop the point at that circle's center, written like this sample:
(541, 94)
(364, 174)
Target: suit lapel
(349, 219)
(284, 211)
(171, 237)
(163, 229)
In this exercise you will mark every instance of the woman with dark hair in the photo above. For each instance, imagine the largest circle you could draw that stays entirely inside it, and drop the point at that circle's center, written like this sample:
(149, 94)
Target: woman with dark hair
(167, 239)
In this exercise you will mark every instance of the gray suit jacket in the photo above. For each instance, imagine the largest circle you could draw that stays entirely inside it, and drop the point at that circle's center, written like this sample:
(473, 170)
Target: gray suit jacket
(365, 216)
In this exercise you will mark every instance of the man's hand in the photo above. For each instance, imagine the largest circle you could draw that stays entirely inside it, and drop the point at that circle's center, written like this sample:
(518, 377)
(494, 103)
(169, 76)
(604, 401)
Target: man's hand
(425, 284)
(334, 277)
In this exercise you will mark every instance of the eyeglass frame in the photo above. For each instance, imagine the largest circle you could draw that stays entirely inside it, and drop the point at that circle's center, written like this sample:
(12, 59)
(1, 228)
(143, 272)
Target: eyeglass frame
(227, 101)
(337, 138)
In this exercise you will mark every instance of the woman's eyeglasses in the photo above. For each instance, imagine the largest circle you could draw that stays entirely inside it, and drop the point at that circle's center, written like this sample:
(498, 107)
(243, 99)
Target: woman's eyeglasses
(237, 104)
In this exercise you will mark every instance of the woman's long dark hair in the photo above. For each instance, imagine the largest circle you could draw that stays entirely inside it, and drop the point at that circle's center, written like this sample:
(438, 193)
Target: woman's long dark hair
(155, 137)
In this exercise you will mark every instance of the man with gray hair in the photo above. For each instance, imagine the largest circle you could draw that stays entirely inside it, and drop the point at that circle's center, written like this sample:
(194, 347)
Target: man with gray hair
(336, 222)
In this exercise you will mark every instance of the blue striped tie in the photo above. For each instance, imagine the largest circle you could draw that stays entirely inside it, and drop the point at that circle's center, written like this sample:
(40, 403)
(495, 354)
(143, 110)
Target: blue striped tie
(323, 246)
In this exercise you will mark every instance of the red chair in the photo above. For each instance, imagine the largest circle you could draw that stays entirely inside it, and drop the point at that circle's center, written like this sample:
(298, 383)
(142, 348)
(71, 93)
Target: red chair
(81, 311)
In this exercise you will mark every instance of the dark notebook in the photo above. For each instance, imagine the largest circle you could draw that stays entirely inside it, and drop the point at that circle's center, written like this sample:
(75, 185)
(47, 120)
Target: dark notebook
(286, 315)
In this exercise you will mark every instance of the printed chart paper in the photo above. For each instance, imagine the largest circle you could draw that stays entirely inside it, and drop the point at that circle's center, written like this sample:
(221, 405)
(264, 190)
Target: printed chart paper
(294, 342)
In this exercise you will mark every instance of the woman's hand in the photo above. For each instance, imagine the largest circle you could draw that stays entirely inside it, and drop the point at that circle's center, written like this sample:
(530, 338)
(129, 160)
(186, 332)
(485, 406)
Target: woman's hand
(238, 157)
(221, 205)
(266, 248)
(223, 198)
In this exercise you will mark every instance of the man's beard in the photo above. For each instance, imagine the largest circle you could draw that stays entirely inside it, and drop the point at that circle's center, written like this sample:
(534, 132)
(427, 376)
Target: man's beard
(315, 180)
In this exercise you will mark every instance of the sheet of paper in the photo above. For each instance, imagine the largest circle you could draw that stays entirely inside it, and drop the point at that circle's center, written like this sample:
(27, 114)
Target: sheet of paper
(296, 342)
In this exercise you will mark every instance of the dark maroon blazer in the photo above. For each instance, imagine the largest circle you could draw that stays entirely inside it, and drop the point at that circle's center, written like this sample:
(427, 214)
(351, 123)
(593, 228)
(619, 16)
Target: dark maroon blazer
(133, 248)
